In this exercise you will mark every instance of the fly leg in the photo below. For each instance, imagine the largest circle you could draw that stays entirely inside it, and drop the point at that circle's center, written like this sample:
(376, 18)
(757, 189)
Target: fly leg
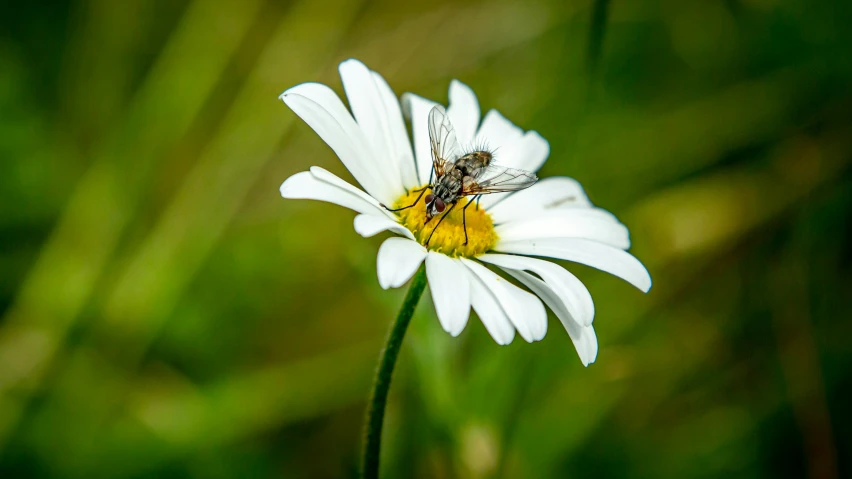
(439, 223)
(464, 218)
(478, 197)
(421, 190)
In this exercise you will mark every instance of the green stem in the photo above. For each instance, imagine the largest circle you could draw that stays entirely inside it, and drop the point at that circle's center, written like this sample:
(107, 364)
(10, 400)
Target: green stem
(381, 385)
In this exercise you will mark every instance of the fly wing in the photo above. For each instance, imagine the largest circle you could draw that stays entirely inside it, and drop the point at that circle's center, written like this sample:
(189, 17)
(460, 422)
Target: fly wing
(442, 136)
(497, 179)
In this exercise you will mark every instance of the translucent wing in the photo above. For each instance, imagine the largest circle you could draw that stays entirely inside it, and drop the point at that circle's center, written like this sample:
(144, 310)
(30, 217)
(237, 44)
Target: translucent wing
(442, 136)
(497, 179)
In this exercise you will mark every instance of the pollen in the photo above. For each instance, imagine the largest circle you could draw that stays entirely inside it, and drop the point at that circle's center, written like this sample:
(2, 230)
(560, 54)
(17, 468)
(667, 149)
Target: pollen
(449, 237)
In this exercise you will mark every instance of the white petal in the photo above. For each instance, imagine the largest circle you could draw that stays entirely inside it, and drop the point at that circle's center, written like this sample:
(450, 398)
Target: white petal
(548, 194)
(328, 177)
(589, 341)
(323, 111)
(450, 286)
(528, 152)
(417, 109)
(533, 151)
(368, 107)
(399, 143)
(572, 223)
(523, 309)
(489, 310)
(496, 131)
(591, 212)
(583, 337)
(398, 260)
(328, 100)
(305, 185)
(463, 112)
(568, 289)
(369, 225)
(591, 253)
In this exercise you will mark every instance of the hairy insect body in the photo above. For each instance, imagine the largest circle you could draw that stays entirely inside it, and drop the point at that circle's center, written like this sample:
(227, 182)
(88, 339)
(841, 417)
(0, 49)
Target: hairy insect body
(450, 186)
(471, 163)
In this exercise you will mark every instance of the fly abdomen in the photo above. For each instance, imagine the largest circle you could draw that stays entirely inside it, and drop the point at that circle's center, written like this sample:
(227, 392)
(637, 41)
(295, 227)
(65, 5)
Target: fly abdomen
(471, 162)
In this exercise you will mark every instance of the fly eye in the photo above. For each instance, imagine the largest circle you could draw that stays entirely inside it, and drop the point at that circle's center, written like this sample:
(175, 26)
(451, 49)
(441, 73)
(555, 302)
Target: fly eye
(429, 198)
(439, 205)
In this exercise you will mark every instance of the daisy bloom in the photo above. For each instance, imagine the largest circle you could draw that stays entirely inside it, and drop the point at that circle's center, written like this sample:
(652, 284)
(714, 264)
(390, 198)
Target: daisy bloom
(508, 231)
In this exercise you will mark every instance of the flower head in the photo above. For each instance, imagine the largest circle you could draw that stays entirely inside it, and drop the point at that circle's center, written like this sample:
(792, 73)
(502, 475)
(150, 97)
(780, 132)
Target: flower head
(552, 218)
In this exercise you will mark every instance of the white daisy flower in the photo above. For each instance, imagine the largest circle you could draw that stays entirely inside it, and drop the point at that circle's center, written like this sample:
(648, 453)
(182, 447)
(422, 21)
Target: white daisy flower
(553, 218)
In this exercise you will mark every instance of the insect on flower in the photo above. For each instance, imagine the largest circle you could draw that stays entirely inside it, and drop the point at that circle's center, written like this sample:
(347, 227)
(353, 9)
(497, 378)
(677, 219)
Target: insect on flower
(459, 175)
(513, 231)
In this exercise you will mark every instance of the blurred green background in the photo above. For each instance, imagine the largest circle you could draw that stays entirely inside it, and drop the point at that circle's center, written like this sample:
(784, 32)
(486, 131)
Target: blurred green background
(164, 313)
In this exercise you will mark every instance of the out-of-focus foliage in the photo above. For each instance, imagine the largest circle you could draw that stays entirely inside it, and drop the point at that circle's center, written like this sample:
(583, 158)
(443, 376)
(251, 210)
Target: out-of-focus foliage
(164, 313)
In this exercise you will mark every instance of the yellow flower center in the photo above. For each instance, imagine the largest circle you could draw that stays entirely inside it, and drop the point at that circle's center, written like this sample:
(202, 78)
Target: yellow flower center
(449, 237)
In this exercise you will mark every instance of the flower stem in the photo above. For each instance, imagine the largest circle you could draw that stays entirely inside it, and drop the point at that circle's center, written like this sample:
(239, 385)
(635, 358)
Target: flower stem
(381, 385)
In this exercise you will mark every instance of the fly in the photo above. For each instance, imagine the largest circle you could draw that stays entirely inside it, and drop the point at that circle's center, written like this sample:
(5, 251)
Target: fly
(459, 175)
